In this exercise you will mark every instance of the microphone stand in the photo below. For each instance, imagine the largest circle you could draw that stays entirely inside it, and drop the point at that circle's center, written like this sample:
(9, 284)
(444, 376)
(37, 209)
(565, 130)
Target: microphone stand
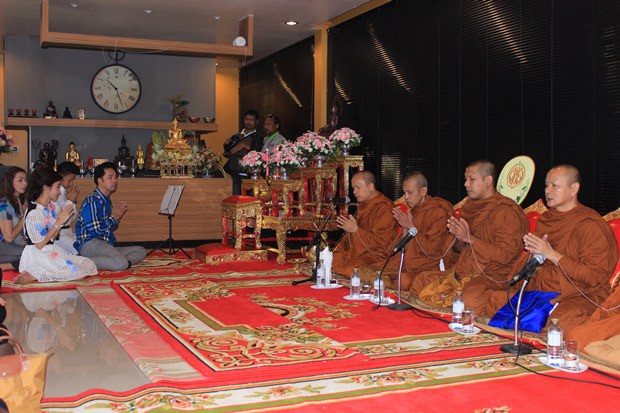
(517, 347)
(316, 242)
(400, 305)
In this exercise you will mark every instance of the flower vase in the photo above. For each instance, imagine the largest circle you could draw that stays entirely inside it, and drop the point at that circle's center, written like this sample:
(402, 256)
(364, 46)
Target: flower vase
(255, 173)
(346, 148)
(283, 173)
(318, 161)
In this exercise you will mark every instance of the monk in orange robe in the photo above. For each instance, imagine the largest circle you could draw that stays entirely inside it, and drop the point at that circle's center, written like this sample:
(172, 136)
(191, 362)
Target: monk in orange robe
(370, 233)
(488, 236)
(580, 251)
(432, 246)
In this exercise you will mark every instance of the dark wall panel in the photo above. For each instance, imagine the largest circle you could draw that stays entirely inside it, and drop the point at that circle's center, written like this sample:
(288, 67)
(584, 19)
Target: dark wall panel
(436, 85)
(282, 84)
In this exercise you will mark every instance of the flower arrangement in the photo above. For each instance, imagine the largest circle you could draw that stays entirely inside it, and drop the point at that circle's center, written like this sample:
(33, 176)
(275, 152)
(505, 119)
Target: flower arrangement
(345, 137)
(209, 160)
(311, 144)
(6, 142)
(285, 156)
(254, 160)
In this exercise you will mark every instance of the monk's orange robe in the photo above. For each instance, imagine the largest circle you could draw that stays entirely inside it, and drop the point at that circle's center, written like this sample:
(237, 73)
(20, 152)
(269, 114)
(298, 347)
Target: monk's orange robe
(432, 243)
(601, 325)
(589, 254)
(371, 243)
(499, 225)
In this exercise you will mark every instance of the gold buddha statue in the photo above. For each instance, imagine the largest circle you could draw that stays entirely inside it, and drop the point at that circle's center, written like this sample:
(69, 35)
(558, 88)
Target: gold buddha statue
(176, 143)
(140, 157)
(73, 155)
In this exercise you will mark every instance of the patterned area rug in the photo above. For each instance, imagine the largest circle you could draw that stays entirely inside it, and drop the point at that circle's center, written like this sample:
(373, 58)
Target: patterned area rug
(258, 344)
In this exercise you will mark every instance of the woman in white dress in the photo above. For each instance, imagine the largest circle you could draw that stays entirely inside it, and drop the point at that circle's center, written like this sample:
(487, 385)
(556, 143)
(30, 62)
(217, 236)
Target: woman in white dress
(42, 260)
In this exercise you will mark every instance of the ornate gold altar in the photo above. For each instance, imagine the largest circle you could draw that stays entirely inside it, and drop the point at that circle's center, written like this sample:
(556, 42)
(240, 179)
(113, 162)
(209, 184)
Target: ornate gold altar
(301, 203)
(239, 212)
(178, 161)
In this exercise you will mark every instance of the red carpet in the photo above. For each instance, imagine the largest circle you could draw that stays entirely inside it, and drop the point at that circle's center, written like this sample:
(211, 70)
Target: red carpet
(263, 345)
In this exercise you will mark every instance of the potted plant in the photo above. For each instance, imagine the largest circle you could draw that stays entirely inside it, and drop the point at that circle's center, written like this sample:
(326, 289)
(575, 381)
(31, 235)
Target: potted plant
(179, 108)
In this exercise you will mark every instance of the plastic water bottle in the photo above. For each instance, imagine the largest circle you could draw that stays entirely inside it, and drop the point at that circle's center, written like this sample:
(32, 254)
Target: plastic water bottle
(355, 284)
(379, 287)
(457, 311)
(554, 344)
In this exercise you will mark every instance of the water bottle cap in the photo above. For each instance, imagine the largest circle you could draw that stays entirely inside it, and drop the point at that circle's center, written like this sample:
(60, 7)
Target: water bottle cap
(555, 320)
(459, 292)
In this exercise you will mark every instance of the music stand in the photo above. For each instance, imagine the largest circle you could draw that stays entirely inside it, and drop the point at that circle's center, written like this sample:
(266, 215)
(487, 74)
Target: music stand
(168, 207)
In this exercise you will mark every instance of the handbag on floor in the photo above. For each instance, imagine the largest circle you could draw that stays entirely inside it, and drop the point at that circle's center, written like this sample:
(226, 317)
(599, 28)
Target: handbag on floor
(22, 377)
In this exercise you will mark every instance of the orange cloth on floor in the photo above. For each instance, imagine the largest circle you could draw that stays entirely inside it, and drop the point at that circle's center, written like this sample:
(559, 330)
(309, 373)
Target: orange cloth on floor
(376, 233)
(589, 254)
(601, 325)
(433, 240)
(498, 224)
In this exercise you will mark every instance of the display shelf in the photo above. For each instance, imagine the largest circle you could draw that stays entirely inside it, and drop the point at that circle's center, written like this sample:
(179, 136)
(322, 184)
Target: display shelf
(105, 123)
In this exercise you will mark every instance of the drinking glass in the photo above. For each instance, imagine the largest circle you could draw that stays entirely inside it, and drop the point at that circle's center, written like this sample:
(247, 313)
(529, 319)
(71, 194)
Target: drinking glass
(570, 354)
(468, 321)
(365, 289)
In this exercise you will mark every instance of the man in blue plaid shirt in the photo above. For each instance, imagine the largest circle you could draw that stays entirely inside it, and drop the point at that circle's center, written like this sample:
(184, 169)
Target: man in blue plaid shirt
(97, 222)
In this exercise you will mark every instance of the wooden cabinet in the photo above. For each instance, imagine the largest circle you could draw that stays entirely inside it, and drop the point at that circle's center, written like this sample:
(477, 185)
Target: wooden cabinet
(198, 216)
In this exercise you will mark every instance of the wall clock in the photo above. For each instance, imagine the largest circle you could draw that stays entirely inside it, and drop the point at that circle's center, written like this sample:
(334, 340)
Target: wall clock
(116, 88)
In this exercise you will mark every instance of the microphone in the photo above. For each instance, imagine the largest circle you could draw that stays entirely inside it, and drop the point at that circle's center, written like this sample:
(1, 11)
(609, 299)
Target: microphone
(537, 259)
(413, 231)
(338, 200)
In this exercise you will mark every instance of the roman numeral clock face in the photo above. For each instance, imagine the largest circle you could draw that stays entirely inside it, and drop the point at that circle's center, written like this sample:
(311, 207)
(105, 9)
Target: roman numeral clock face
(116, 88)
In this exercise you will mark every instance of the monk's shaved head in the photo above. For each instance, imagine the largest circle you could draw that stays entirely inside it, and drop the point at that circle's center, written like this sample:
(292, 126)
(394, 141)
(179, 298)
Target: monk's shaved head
(418, 178)
(366, 176)
(485, 168)
(572, 174)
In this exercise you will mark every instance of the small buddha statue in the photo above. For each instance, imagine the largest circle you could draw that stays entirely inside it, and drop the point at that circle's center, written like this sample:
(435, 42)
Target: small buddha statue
(140, 157)
(124, 156)
(175, 135)
(334, 119)
(50, 111)
(44, 153)
(67, 113)
(73, 155)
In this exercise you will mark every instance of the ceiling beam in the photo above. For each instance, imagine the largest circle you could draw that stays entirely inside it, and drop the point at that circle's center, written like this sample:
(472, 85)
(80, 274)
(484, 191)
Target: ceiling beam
(130, 44)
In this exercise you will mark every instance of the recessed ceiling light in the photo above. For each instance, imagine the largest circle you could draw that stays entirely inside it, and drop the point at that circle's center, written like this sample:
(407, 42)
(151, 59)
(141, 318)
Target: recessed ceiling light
(217, 17)
(74, 5)
(291, 23)
(148, 11)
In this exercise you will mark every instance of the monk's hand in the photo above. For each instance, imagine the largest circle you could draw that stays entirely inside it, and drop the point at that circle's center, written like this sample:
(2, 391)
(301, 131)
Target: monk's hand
(404, 219)
(460, 229)
(347, 223)
(537, 245)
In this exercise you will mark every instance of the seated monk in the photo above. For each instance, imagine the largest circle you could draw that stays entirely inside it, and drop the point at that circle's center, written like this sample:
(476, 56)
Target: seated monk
(580, 251)
(370, 233)
(432, 247)
(488, 236)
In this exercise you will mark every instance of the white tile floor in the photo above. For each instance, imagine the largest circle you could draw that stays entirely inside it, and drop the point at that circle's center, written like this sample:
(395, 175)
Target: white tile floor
(85, 354)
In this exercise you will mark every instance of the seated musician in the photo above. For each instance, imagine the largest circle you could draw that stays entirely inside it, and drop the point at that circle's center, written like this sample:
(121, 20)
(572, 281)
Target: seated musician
(238, 145)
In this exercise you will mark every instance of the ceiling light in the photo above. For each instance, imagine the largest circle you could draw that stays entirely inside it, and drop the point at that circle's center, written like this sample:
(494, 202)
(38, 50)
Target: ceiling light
(291, 23)
(148, 11)
(74, 5)
(217, 17)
